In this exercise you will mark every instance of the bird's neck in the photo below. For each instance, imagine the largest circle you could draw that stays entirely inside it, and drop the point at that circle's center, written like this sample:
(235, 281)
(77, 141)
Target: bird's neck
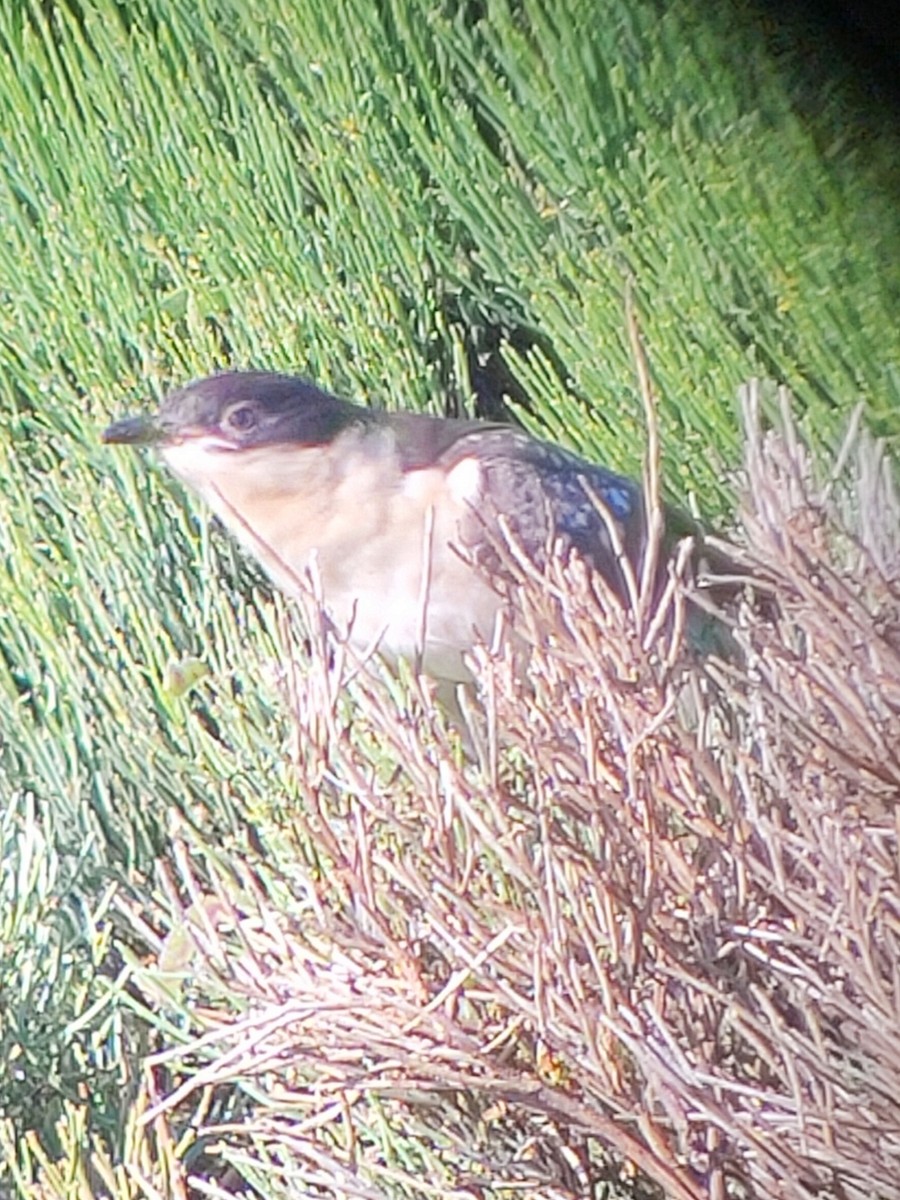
(285, 501)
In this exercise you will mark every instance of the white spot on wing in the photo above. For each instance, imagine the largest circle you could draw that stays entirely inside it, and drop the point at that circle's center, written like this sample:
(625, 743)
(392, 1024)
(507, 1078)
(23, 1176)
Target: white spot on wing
(464, 481)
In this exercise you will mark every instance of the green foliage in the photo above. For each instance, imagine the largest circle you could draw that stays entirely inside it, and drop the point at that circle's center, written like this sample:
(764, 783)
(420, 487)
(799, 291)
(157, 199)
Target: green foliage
(55, 1047)
(415, 204)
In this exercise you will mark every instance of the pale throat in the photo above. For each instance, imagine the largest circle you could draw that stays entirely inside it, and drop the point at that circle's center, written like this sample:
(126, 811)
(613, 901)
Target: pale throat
(290, 498)
(244, 477)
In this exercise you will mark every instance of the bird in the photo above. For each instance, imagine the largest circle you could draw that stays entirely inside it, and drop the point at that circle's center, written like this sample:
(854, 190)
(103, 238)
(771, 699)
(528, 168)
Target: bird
(397, 513)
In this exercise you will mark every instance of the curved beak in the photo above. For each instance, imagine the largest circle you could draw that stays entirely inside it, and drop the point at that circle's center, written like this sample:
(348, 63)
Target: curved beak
(136, 431)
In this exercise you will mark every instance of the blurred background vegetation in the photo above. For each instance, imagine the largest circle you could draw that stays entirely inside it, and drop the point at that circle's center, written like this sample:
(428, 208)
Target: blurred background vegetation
(424, 205)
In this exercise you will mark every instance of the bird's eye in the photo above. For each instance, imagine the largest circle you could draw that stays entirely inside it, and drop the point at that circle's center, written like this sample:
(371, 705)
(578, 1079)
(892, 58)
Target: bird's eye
(240, 418)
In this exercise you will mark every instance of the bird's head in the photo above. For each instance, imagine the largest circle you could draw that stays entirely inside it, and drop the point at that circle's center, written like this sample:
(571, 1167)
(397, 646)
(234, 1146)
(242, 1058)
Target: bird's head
(256, 430)
(239, 411)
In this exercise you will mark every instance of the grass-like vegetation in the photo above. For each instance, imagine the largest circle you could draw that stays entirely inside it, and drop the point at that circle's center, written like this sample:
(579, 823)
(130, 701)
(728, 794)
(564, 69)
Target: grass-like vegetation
(426, 206)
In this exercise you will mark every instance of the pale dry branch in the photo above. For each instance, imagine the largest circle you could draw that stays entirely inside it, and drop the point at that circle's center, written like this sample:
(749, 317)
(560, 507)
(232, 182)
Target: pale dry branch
(661, 923)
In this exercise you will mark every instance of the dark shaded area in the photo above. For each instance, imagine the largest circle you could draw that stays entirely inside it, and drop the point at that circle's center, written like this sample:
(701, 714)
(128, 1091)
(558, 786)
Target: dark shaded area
(869, 38)
(859, 39)
(497, 391)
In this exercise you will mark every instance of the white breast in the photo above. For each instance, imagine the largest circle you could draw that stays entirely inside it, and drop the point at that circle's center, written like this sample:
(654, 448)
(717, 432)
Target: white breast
(383, 541)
